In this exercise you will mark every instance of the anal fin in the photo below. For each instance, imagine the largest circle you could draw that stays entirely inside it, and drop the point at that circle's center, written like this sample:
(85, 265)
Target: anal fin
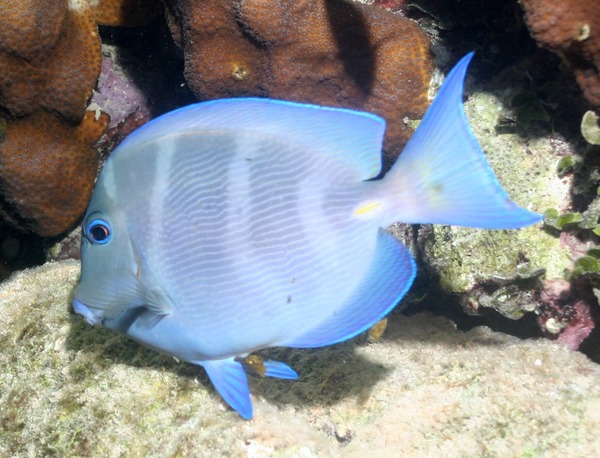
(387, 281)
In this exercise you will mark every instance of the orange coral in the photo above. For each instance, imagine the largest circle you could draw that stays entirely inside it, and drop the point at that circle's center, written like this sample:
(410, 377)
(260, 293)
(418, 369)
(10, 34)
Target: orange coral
(50, 59)
(48, 170)
(330, 52)
(572, 29)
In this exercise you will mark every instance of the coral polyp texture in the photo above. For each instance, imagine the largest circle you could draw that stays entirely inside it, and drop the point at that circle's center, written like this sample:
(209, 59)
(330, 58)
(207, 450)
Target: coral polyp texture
(48, 171)
(50, 61)
(572, 29)
(50, 58)
(125, 12)
(332, 52)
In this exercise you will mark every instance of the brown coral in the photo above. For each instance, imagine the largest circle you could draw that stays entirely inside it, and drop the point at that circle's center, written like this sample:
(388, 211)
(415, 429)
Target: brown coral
(126, 12)
(50, 61)
(48, 170)
(330, 52)
(50, 58)
(572, 29)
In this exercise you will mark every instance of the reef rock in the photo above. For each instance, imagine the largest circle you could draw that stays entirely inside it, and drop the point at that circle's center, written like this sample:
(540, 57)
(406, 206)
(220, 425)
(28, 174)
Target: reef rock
(424, 389)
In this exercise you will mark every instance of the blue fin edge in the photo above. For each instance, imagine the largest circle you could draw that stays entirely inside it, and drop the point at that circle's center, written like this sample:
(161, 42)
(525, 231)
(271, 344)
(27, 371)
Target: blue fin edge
(391, 275)
(277, 369)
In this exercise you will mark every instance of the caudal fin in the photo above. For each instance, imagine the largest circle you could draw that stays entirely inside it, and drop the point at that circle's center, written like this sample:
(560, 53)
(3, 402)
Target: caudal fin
(443, 177)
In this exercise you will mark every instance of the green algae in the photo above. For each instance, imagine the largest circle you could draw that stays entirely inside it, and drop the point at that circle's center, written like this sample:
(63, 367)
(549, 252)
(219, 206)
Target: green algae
(464, 259)
(560, 220)
(566, 165)
(590, 127)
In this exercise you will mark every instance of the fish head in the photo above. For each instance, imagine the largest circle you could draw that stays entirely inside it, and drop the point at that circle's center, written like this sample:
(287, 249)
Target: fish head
(109, 268)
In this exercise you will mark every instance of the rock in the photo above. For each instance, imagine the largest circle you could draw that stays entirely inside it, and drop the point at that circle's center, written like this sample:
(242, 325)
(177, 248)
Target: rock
(424, 389)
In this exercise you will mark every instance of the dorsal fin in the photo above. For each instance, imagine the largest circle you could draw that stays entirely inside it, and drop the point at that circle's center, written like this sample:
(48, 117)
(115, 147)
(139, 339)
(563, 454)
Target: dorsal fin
(352, 136)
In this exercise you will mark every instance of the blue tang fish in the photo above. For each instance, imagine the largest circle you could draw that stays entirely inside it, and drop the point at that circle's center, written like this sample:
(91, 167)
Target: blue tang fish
(235, 225)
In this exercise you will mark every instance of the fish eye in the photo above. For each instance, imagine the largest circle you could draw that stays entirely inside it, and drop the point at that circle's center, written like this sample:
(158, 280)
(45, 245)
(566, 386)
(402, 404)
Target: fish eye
(98, 231)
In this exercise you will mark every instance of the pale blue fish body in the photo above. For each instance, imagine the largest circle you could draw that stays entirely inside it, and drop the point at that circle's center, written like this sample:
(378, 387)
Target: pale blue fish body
(231, 226)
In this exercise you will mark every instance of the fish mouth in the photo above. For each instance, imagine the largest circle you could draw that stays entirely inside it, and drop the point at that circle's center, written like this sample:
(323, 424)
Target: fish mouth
(85, 312)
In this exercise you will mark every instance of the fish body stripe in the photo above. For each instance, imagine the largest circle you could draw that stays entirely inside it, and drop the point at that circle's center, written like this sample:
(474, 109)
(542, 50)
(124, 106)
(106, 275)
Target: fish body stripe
(255, 230)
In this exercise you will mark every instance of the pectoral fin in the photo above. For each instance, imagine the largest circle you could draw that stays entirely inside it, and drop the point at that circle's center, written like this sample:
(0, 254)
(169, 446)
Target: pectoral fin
(158, 302)
(111, 295)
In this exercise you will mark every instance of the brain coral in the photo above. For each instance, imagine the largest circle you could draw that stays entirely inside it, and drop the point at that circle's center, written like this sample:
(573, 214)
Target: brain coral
(50, 59)
(330, 52)
(572, 29)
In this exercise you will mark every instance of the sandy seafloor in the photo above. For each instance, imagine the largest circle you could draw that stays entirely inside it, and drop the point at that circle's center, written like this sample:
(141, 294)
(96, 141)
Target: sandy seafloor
(424, 389)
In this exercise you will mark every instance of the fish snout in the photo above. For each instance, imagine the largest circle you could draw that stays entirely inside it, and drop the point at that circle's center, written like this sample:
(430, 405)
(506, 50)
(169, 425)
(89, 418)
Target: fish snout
(83, 310)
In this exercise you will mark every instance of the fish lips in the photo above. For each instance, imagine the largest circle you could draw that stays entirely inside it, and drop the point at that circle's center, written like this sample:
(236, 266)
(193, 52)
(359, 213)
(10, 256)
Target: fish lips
(85, 312)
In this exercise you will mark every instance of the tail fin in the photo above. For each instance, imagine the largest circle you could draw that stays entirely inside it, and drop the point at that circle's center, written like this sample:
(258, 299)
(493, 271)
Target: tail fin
(443, 177)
